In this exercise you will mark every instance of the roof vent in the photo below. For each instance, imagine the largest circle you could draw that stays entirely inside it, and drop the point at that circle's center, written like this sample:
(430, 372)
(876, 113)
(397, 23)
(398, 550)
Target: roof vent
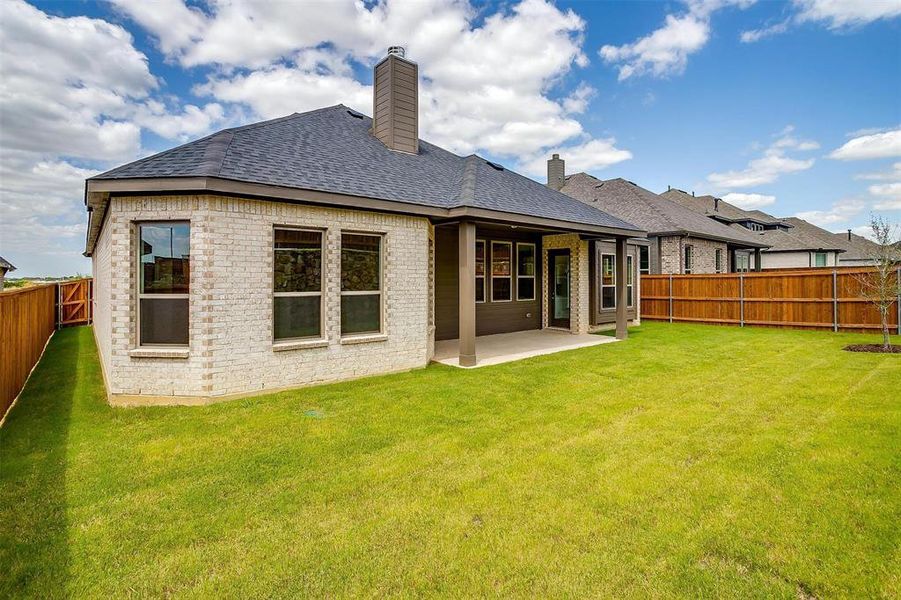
(495, 166)
(354, 114)
(397, 51)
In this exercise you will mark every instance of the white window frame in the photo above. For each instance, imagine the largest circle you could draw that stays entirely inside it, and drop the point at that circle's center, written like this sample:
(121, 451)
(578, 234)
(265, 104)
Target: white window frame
(825, 259)
(484, 275)
(688, 260)
(742, 257)
(140, 280)
(380, 292)
(718, 260)
(321, 293)
(532, 276)
(603, 285)
(508, 277)
(630, 280)
(648, 250)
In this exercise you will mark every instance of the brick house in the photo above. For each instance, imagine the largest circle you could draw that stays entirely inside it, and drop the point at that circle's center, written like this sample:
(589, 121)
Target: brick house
(791, 242)
(680, 240)
(327, 245)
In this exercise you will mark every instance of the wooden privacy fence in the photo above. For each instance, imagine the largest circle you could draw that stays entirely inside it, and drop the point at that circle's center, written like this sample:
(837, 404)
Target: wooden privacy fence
(809, 298)
(28, 317)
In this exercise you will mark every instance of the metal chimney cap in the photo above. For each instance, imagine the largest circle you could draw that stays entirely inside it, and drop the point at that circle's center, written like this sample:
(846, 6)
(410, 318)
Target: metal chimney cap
(397, 51)
(556, 156)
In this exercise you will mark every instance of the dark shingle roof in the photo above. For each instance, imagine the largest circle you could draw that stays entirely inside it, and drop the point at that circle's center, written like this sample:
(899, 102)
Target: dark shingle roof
(651, 211)
(802, 236)
(856, 248)
(332, 150)
(722, 210)
(5, 264)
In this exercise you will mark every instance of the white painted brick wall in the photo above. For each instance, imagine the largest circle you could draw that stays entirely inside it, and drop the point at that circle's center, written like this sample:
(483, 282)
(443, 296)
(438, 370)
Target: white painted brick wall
(231, 349)
(101, 310)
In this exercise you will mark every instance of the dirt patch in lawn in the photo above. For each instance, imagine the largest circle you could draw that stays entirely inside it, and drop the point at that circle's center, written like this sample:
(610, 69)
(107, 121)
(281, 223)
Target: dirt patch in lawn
(893, 349)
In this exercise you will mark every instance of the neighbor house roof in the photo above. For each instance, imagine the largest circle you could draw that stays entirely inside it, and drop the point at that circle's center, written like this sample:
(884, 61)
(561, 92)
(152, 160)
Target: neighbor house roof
(6, 265)
(803, 236)
(650, 211)
(857, 247)
(332, 150)
(721, 210)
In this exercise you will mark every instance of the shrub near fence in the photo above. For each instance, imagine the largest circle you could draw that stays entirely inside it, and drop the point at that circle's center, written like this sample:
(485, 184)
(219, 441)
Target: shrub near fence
(811, 298)
(27, 320)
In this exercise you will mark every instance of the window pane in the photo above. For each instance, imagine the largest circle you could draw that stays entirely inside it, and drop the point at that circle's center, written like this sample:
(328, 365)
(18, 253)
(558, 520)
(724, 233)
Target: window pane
(480, 289)
(821, 259)
(165, 258)
(630, 276)
(525, 289)
(500, 259)
(164, 321)
(608, 297)
(500, 289)
(644, 259)
(360, 314)
(298, 261)
(607, 276)
(628, 295)
(360, 258)
(525, 260)
(480, 259)
(297, 316)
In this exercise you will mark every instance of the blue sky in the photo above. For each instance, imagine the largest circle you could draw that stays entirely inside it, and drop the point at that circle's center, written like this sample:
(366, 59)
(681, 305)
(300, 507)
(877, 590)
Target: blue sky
(794, 107)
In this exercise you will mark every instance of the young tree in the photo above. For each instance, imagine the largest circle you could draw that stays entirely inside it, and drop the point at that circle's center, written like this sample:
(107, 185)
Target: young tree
(881, 285)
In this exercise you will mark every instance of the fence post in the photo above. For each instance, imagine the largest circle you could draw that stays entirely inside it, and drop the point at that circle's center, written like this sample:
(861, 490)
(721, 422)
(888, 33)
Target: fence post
(670, 297)
(834, 300)
(741, 299)
(898, 299)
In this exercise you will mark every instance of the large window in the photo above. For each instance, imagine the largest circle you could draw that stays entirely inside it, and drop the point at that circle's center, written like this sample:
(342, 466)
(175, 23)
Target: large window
(689, 258)
(501, 271)
(525, 271)
(630, 280)
(608, 281)
(480, 270)
(742, 262)
(297, 284)
(718, 259)
(164, 261)
(361, 283)
(819, 259)
(644, 259)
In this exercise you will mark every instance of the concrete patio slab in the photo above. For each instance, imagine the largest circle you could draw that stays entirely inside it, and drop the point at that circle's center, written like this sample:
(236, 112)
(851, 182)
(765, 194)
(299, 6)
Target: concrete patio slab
(507, 347)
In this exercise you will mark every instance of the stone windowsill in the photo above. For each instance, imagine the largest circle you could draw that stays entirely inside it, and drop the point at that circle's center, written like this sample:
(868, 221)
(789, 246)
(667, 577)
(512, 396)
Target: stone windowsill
(160, 353)
(298, 345)
(365, 339)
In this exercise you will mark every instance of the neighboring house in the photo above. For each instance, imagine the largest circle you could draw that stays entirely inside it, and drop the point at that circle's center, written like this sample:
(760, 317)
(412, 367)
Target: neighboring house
(681, 241)
(859, 251)
(327, 245)
(793, 242)
(5, 267)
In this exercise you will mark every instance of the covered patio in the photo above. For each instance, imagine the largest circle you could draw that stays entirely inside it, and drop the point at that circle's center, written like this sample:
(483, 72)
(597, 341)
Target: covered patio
(507, 347)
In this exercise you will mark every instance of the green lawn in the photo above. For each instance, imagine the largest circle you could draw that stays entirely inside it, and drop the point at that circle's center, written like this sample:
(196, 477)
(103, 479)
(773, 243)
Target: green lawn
(688, 461)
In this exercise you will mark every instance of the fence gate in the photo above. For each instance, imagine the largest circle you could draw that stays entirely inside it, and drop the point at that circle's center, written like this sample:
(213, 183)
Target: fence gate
(74, 301)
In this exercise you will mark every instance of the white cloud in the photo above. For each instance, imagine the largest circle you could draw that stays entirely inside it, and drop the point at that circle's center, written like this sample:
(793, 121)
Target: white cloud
(749, 201)
(893, 175)
(876, 145)
(174, 24)
(769, 167)
(839, 212)
(577, 101)
(888, 196)
(755, 35)
(838, 14)
(588, 156)
(665, 51)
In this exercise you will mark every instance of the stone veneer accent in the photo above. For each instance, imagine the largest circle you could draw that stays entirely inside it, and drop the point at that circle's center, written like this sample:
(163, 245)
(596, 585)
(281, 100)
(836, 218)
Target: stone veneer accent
(672, 257)
(580, 307)
(231, 349)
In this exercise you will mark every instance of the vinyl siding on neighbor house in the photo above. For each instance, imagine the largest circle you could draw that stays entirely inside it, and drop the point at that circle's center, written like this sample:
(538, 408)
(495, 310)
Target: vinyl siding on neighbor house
(231, 349)
(801, 260)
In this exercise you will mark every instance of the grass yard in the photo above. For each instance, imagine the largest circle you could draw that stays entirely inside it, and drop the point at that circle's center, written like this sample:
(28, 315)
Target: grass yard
(689, 461)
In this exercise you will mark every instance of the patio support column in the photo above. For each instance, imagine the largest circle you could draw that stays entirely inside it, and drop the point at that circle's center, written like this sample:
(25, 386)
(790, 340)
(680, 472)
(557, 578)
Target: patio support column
(757, 261)
(621, 297)
(467, 286)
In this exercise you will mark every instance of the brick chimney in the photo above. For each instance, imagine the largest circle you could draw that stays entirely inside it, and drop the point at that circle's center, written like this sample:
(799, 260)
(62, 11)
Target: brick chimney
(556, 172)
(395, 102)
